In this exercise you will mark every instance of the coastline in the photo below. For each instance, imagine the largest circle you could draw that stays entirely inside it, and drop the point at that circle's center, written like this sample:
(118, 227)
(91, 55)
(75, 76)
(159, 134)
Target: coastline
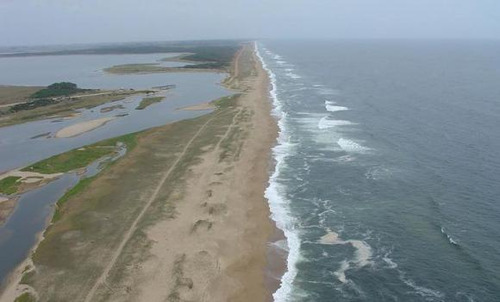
(238, 231)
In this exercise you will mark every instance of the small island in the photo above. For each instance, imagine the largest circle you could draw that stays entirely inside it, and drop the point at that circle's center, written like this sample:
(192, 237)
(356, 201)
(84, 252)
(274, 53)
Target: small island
(146, 102)
(21, 104)
(202, 59)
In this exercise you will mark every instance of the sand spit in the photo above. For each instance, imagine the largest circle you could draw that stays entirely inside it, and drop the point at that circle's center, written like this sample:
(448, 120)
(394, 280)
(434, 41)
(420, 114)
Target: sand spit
(83, 127)
(217, 243)
(185, 218)
(27, 176)
(198, 107)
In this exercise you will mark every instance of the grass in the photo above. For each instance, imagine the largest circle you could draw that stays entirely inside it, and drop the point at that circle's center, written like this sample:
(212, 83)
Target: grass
(149, 101)
(209, 57)
(211, 65)
(226, 101)
(26, 297)
(27, 277)
(72, 160)
(137, 68)
(79, 187)
(15, 94)
(81, 157)
(9, 185)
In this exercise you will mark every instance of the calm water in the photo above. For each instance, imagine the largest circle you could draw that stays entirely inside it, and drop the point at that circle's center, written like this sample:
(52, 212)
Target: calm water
(387, 182)
(84, 70)
(16, 143)
(34, 208)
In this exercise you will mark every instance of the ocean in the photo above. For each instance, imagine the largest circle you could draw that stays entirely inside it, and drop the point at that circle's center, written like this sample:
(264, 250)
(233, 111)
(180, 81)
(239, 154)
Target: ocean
(387, 177)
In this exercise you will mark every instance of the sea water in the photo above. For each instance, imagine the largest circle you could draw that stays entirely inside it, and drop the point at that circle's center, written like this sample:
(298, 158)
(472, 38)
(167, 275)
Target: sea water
(387, 177)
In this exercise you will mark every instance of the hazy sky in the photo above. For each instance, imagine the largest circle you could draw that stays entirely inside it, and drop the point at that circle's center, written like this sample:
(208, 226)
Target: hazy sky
(29, 22)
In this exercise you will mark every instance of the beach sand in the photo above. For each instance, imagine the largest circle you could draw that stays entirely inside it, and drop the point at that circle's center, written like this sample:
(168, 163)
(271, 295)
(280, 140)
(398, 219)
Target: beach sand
(83, 127)
(198, 107)
(223, 256)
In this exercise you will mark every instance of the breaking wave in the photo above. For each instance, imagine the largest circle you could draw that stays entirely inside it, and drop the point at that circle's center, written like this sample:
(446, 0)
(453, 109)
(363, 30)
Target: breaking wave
(330, 106)
(278, 203)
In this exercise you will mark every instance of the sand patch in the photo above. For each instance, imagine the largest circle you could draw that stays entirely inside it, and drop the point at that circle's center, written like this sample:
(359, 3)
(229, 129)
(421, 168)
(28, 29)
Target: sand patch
(202, 106)
(83, 127)
(27, 176)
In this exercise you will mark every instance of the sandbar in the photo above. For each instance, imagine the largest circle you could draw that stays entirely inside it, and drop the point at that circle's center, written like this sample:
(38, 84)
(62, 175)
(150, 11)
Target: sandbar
(83, 127)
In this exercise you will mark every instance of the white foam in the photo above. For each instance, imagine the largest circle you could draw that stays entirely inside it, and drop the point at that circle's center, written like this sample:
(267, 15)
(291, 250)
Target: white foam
(345, 159)
(333, 108)
(290, 73)
(278, 203)
(325, 91)
(325, 123)
(389, 261)
(450, 239)
(293, 75)
(362, 255)
(377, 173)
(281, 244)
(423, 291)
(351, 146)
(340, 273)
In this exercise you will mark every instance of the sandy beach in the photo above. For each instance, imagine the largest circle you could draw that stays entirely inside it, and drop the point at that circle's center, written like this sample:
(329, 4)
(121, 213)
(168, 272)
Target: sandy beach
(189, 221)
(225, 254)
(83, 127)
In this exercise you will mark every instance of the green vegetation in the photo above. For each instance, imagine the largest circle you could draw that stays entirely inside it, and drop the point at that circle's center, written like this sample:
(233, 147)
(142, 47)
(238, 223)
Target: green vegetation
(27, 275)
(57, 89)
(149, 101)
(210, 57)
(26, 297)
(138, 68)
(45, 96)
(82, 184)
(215, 65)
(31, 105)
(226, 101)
(74, 159)
(9, 185)
(64, 107)
(79, 158)
(222, 55)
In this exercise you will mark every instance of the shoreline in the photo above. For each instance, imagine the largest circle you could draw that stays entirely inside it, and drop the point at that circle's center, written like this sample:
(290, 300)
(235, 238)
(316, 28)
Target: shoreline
(238, 223)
